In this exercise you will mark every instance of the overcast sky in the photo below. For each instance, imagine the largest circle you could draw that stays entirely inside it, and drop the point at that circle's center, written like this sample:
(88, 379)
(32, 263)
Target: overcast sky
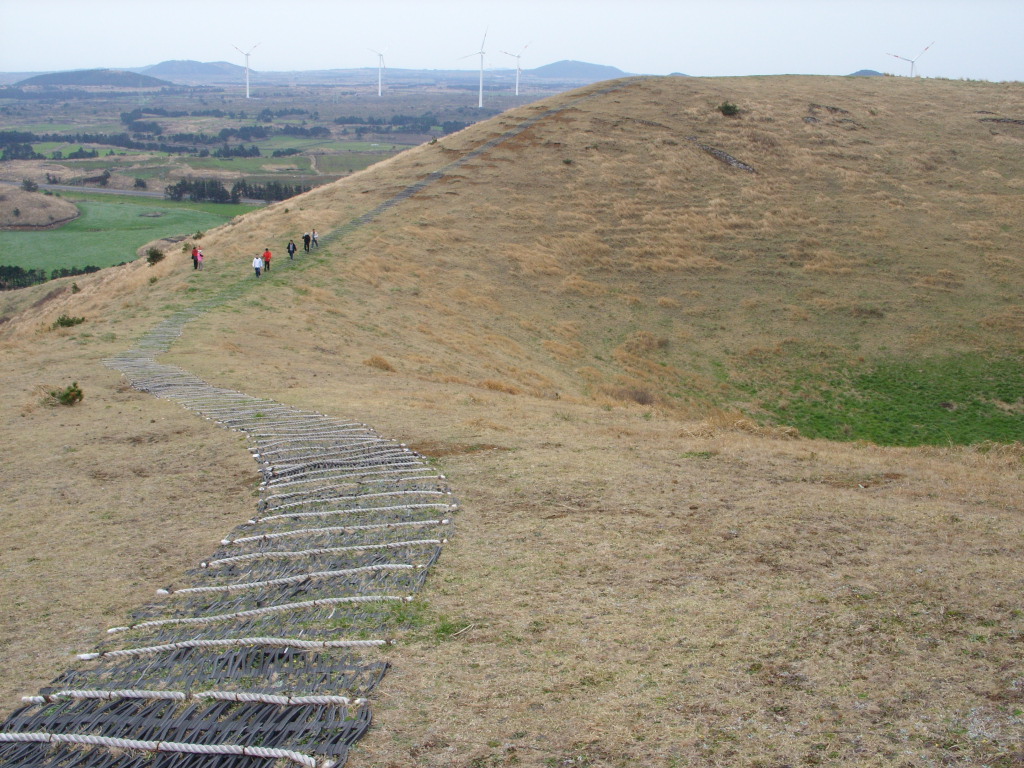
(974, 39)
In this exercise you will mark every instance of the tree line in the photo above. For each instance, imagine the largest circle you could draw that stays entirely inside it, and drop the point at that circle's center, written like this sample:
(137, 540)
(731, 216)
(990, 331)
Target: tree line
(214, 191)
(402, 123)
(17, 277)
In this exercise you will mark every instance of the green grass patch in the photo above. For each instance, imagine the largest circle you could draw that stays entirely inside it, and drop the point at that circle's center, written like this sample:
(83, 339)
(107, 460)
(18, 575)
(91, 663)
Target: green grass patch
(247, 165)
(956, 400)
(347, 163)
(108, 232)
(221, 210)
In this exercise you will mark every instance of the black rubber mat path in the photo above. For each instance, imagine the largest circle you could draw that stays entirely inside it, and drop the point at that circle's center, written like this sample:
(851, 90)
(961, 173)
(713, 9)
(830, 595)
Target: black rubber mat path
(268, 653)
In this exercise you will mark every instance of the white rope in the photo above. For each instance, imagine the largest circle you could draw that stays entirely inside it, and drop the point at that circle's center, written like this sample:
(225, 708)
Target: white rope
(352, 511)
(333, 529)
(323, 551)
(331, 434)
(239, 696)
(321, 489)
(129, 693)
(308, 478)
(288, 701)
(297, 464)
(291, 579)
(167, 746)
(273, 642)
(260, 611)
(339, 454)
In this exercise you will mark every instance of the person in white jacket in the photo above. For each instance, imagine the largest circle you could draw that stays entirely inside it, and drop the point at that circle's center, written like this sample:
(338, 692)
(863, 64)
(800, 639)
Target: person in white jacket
(257, 264)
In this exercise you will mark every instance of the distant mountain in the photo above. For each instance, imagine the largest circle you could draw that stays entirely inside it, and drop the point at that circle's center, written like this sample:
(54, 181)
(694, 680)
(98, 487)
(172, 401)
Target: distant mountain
(118, 78)
(866, 73)
(578, 71)
(185, 69)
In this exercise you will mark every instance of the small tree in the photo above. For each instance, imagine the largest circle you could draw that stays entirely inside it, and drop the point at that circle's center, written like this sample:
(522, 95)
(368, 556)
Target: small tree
(154, 255)
(140, 183)
(728, 109)
(29, 186)
(67, 396)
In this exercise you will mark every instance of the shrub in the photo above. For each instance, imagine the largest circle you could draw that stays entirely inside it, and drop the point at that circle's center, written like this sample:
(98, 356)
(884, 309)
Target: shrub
(140, 183)
(29, 186)
(638, 395)
(67, 321)
(499, 386)
(153, 255)
(379, 363)
(728, 109)
(68, 396)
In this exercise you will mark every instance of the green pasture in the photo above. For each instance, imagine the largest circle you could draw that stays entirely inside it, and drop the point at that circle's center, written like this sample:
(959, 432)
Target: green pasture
(109, 231)
(247, 165)
(49, 127)
(958, 400)
(220, 210)
(346, 163)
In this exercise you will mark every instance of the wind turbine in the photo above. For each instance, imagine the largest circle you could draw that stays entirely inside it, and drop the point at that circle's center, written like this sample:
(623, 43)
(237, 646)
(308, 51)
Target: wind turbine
(519, 69)
(480, 53)
(246, 54)
(913, 60)
(380, 70)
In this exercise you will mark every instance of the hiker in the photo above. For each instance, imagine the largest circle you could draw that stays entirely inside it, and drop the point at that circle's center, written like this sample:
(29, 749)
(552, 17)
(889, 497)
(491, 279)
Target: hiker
(305, 241)
(199, 259)
(292, 248)
(313, 237)
(266, 259)
(195, 257)
(257, 264)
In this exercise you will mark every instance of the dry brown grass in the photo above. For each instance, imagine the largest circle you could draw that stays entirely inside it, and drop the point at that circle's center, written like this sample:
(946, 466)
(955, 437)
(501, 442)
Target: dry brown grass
(34, 209)
(665, 583)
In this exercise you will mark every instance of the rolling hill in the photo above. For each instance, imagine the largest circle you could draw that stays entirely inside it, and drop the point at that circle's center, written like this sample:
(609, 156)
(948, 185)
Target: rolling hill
(580, 71)
(95, 77)
(185, 70)
(658, 351)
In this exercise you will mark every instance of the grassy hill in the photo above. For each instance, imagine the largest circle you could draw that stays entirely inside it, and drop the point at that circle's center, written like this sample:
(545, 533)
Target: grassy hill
(96, 77)
(21, 209)
(618, 332)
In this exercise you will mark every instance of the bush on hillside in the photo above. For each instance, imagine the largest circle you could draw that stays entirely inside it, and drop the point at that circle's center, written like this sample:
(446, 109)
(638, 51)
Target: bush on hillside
(67, 321)
(68, 396)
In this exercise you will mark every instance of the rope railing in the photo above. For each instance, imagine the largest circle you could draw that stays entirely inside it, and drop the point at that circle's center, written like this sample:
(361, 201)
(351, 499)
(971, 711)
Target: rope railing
(168, 746)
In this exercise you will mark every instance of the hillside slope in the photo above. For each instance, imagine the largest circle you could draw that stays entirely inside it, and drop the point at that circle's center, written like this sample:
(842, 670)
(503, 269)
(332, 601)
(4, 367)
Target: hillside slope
(570, 321)
(609, 252)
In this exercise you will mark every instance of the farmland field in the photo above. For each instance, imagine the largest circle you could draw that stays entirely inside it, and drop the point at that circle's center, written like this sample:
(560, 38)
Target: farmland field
(108, 232)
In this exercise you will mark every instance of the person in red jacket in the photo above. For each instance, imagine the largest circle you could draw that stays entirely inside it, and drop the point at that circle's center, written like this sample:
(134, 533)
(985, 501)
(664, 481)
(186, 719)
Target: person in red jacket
(266, 259)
